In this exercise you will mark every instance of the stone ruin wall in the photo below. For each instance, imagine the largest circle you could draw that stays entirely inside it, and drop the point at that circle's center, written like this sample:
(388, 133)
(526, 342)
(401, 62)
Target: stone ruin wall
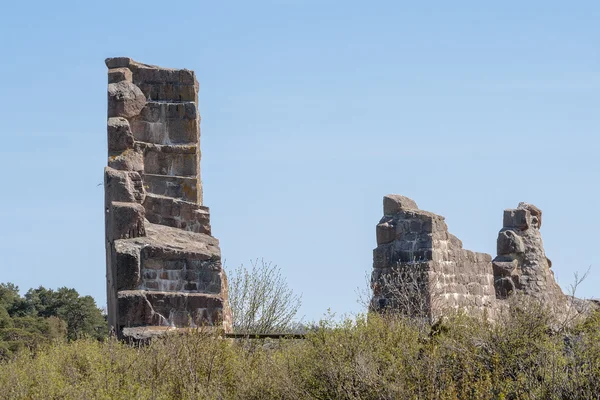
(416, 246)
(416, 257)
(163, 266)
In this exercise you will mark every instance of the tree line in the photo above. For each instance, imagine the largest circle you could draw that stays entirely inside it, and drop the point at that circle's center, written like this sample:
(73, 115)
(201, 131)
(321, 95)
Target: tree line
(43, 315)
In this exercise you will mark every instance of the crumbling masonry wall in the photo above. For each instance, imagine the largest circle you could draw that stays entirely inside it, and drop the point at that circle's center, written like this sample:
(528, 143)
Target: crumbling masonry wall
(420, 269)
(163, 266)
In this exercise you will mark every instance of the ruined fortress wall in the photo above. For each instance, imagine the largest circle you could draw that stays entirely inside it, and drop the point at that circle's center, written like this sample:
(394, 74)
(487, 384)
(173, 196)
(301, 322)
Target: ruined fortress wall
(419, 268)
(163, 267)
(416, 253)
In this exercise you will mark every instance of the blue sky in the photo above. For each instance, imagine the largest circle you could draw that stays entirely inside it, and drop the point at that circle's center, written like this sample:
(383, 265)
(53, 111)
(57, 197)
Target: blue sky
(311, 112)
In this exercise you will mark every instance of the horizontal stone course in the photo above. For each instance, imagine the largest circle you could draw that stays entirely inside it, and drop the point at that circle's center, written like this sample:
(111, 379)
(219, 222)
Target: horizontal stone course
(141, 307)
(177, 213)
(171, 160)
(178, 187)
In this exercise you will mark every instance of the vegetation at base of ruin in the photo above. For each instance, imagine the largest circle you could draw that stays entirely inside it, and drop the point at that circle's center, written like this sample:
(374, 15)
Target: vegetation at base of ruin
(261, 301)
(520, 356)
(44, 315)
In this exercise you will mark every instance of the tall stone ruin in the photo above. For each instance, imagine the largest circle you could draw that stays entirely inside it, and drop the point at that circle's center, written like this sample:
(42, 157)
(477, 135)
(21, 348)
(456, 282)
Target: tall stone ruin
(420, 269)
(521, 265)
(163, 266)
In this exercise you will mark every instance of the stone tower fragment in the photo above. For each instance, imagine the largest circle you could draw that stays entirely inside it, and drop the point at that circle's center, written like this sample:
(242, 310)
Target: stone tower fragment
(163, 266)
(521, 265)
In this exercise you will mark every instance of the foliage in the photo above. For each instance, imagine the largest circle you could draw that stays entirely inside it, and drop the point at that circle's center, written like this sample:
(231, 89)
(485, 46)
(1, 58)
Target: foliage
(260, 299)
(44, 315)
(519, 356)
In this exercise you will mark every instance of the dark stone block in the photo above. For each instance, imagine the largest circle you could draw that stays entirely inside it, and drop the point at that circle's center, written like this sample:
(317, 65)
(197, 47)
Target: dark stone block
(519, 219)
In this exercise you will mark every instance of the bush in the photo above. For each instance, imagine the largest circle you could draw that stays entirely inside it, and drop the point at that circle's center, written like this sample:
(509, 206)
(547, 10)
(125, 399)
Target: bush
(261, 301)
(368, 357)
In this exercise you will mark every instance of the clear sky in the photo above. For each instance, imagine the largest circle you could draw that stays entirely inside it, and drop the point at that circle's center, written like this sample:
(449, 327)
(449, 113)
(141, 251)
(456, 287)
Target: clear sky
(312, 110)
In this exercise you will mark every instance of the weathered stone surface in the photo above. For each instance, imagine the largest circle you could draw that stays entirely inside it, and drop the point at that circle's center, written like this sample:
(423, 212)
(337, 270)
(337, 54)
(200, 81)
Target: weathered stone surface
(522, 266)
(171, 160)
(139, 307)
(126, 220)
(509, 242)
(519, 219)
(422, 269)
(386, 232)
(166, 123)
(177, 187)
(119, 74)
(128, 259)
(118, 186)
(119, 134)
(177, 213)
(118, 62)
(394, 203)
(128, 160)
(163, 267)
(125, 99)
(536, 213)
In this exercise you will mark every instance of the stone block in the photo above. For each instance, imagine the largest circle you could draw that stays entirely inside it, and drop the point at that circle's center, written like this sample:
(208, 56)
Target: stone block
(183, 131)
(155, 75)
(118, 62)
(383, 256)
(127, 266)
(183, 188)
(174, 264)
(177, 213)
(116, 75)
(395, 203)
(509, 243)
(118, 186)
(504, 287)
(137, 308)
(171, 160)
(454, 241)
(211, 264)
(150, 274)
(170, 92)
(209, 281)
(153, 263)
(119, 134)
(536, 214)
(386, 233)
(125, 99)
(128, 160)
(519, 219)
(126, 220)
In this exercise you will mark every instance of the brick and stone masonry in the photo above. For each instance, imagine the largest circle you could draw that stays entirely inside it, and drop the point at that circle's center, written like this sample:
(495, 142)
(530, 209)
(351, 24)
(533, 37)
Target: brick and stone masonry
(163, 266)
(421, 269)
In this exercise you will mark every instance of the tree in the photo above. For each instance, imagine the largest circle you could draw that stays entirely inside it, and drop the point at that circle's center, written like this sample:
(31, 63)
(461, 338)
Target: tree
(260, 299)
(82, 316)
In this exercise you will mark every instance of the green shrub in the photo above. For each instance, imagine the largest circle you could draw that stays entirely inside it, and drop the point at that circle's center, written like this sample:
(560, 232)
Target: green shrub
(519, 356)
